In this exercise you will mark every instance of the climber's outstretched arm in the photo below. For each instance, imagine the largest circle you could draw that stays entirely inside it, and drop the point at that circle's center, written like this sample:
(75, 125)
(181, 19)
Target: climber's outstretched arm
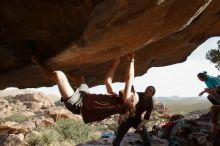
(110, 74)
(129, 79)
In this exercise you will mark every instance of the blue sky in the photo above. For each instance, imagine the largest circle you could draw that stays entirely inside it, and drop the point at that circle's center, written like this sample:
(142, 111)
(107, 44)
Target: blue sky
(174, 80)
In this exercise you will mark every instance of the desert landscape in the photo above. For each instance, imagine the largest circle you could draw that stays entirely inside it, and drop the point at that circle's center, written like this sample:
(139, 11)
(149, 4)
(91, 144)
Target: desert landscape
(36, 119)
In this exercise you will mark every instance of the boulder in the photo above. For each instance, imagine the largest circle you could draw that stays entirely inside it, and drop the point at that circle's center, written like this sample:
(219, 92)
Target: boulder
(14, 139)
(5, 108)
(57, 113)
(85, 35)
(12, 128)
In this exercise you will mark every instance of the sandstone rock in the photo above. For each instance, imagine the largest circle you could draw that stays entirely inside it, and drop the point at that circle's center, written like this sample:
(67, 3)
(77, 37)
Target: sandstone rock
(29, 125)
(79, 31)
(161, 108)
(18, 105)
(33, 106)
(59, 112)
(37, 97)
(44, 122)
(3, 103)
(26, 101)
(12, 128)
(14, 139)
(5, 108)
(28, 113)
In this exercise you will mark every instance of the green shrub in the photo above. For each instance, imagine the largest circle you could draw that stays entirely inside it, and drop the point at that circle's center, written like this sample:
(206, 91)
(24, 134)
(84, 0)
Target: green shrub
(10, 99)
(74, 131)
(64, 130)
(1, 120)
(16, 117)
(113, 127)
(49, 136)
(33, 140)
(46, 137)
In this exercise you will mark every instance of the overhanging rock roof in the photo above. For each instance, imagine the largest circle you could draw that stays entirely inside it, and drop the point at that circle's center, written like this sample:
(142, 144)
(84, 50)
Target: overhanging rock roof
(84, 35)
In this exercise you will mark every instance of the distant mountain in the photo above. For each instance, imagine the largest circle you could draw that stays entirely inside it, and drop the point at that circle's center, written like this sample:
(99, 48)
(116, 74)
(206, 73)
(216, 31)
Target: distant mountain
(180, 98)
(184, 104)
(15, 91)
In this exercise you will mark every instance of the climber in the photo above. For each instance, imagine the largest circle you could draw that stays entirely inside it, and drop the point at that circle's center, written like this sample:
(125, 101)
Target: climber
(145, 104)
(94, 107)
(213, 88)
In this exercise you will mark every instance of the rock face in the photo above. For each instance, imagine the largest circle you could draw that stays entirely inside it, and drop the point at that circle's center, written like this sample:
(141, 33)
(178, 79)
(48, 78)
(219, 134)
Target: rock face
(84, 35)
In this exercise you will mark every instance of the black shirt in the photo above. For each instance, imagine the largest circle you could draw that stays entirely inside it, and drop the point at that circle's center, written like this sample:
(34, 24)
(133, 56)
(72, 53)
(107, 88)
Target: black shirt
(144, 105)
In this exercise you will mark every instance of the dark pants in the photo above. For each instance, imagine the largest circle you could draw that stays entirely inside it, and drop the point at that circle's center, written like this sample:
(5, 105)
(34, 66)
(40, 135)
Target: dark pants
(125, 126)
(213, 100)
